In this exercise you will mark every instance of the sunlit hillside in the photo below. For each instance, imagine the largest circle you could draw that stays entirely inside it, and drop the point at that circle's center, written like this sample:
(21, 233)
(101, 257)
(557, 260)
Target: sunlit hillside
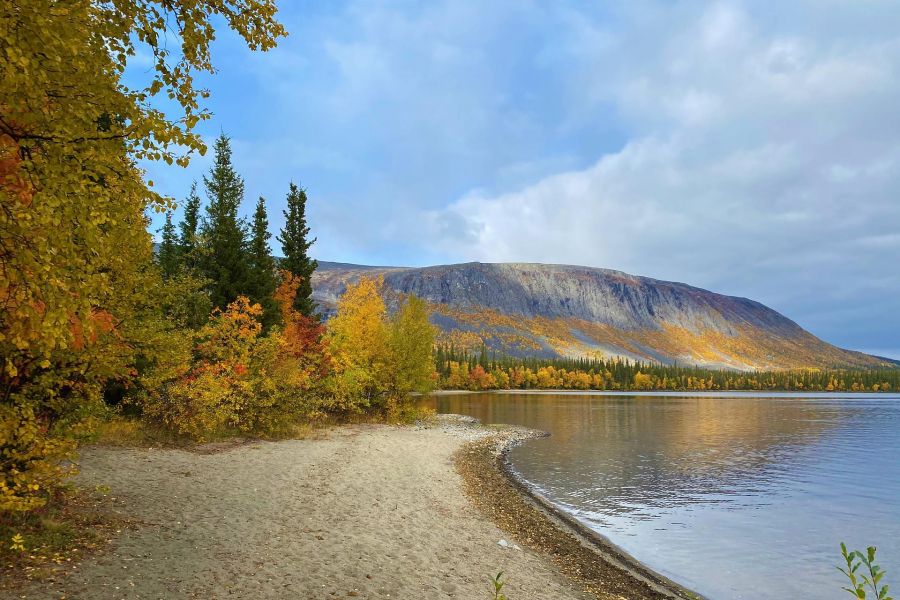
(568, 311)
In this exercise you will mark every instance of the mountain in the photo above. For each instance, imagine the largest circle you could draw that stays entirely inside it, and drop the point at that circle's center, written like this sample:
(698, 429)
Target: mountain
(560, 310)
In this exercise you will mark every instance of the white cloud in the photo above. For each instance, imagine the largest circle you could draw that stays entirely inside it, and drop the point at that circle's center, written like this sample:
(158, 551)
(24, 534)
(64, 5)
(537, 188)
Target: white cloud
(749, 147)
(764, 165)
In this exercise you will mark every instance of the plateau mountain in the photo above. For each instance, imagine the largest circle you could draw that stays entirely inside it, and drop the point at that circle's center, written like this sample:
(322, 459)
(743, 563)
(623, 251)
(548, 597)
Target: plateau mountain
(570, 311)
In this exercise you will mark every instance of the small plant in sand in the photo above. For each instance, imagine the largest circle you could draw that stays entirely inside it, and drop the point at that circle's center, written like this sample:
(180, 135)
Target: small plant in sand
(497, 583)
(869, 580)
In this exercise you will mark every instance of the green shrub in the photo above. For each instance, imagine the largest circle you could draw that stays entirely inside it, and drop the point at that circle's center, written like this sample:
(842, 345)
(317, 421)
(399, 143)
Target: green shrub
(863, 574)
(497, 584)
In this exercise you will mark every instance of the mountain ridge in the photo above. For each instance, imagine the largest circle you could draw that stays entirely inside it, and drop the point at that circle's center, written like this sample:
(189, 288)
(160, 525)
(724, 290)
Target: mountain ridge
(553, 310)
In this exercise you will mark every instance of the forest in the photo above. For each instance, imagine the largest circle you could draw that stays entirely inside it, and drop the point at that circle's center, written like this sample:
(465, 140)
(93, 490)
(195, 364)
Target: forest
(483, 370)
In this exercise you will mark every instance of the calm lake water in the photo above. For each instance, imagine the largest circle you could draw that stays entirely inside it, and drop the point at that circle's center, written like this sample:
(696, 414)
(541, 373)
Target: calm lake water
(736, 497)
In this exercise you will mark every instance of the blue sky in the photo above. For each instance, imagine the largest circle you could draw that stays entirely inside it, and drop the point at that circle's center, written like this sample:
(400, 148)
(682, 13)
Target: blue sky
(749, 148)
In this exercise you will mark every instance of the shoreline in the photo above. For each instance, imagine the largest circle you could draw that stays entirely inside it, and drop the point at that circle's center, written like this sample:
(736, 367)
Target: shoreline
(813, 395)
(584, 555)
(370, 511)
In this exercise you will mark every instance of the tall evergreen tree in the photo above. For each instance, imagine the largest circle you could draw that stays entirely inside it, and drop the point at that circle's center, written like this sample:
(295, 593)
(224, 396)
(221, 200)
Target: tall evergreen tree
(296, 246)
(168, 256)
(263, 277)
(187, 241)
(223, 260)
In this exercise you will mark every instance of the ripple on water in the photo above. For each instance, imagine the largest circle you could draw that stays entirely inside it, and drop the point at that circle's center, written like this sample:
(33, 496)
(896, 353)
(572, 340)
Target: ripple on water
(738, 498)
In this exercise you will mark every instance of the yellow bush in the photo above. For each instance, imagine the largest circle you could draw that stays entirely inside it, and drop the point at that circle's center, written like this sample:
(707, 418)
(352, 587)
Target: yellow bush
(210, 396)
(281, 392)
(240, 382)
(30, 462)
(378, 359)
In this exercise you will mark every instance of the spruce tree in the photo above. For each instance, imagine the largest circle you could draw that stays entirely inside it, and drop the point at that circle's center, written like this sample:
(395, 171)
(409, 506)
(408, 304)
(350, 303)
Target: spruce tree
(223, 260)
(187, 241)
(263, 277)
(167, 257)
(296, 246)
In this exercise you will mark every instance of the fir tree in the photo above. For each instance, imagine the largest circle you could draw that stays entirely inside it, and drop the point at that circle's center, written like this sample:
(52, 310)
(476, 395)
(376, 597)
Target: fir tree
(223, 260)
(296, 246)
(263, 278)
(187, 241)
(168, 256)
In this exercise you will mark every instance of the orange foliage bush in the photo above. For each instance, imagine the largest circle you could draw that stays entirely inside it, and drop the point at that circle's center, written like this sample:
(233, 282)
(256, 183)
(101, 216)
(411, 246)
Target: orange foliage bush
(302, 336)
(240, 381)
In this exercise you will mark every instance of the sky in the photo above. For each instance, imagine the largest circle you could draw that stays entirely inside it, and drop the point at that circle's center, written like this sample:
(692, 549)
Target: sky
(749, 148)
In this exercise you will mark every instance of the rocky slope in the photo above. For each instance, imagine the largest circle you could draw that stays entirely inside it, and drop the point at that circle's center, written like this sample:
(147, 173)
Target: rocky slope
(560, 310)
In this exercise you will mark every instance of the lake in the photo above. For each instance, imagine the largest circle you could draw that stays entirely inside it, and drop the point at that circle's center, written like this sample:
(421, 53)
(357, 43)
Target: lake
(736, 496)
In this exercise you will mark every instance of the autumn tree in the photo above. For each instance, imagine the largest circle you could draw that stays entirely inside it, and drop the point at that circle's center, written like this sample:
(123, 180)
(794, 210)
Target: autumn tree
(358, 340)
(295, 245)
(74, 250)
(643, 381)
(224, 260)
(411, 342)
(378, 358)
(263, 275)
(302, 336)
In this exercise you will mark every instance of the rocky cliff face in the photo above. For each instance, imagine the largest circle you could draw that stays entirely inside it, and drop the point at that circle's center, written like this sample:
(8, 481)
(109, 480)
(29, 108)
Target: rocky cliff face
(560, 310)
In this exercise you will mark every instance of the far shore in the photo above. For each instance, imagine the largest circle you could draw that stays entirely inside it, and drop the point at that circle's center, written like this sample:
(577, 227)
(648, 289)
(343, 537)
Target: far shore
(369, 511)
(679, 393)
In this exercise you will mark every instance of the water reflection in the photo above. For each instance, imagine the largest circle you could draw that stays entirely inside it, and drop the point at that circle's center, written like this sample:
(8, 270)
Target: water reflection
(718, 493)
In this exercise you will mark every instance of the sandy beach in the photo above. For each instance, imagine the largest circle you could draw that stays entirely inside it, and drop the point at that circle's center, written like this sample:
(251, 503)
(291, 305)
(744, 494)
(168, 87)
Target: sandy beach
(364, 511)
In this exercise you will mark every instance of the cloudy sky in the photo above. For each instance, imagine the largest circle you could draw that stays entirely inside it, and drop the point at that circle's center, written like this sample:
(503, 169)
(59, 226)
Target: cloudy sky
(749, 148)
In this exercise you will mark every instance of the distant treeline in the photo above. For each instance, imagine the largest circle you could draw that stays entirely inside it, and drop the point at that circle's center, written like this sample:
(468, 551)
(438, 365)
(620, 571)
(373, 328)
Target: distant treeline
(463, 370)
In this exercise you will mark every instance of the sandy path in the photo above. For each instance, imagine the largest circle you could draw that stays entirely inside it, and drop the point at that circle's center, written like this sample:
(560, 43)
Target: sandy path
(369, 512)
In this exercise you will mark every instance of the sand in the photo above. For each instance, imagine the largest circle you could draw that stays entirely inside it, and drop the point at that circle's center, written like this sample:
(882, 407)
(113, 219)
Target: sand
(369, 511)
